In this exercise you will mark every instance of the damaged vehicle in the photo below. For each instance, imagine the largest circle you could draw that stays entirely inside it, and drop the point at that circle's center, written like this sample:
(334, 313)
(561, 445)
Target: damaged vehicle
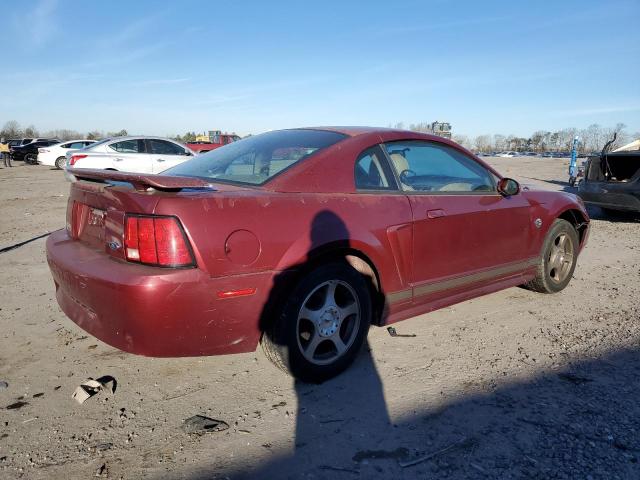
(301, 240)
(612, 181)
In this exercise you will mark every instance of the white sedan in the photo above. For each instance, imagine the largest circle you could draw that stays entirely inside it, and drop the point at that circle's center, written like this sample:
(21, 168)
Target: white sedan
(131, 154)
(55, 155)
(507, 154)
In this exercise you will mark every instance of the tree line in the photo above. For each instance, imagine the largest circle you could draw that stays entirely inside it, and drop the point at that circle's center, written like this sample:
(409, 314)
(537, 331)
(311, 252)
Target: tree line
(592, 138)
(13, 129)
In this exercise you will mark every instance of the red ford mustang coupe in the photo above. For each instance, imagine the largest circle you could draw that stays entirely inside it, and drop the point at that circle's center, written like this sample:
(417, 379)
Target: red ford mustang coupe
(301, 239)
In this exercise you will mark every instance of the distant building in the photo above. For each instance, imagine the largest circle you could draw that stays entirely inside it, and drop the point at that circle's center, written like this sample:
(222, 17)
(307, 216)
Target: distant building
(442, 129)
(212, 136)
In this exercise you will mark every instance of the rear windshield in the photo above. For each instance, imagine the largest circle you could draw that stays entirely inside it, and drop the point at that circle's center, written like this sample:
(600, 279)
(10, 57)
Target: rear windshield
(255, 160)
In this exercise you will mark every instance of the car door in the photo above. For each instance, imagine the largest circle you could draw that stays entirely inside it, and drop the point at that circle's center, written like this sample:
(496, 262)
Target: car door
(130, 156)
(465, 233)
(165, 154)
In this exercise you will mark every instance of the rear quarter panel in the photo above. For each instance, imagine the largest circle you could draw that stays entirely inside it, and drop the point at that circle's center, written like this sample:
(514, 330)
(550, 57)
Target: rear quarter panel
(286, 229)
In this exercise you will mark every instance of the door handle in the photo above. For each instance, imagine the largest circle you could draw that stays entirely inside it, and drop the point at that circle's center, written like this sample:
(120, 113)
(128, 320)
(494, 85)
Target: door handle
(118, 159)
(160, 160)
(437, 213)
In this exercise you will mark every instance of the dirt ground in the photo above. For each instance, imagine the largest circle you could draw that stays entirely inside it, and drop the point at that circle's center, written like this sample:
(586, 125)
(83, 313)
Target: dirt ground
(511, 385)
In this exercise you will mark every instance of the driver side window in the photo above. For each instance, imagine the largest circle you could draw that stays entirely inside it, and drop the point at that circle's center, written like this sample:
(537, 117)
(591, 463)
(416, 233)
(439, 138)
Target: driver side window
(432, 167)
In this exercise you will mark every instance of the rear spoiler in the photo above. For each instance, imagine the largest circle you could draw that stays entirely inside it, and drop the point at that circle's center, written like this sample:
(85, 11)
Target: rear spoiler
(140, 181)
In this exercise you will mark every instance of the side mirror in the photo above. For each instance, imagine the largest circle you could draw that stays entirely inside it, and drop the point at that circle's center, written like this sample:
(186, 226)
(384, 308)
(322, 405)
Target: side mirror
(508, 187)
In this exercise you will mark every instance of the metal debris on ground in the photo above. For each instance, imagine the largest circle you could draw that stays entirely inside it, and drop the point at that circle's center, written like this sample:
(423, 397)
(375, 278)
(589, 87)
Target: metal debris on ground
(102, 470)
(91, 387)
(393, 333)
(201, 424)
(17, 405)
(424, 458)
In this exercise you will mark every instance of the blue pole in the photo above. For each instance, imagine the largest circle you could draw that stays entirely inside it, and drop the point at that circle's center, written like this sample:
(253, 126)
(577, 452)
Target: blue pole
(574, 158)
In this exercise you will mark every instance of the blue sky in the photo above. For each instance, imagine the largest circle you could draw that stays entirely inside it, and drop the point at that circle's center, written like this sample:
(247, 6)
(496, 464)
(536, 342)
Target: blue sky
(155, 67)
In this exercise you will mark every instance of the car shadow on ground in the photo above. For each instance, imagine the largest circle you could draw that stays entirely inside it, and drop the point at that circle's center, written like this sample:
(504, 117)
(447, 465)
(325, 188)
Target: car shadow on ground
(571, 423)
(583, 420)
(597, 213)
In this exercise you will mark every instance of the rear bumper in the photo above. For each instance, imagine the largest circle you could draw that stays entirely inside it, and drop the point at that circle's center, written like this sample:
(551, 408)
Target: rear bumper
(153, 311)
(615, 196)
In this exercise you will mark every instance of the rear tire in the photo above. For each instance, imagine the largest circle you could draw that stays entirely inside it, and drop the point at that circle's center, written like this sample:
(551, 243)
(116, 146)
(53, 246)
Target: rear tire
(31, 159)
(559, 256)
(61, 162)
(322, 325)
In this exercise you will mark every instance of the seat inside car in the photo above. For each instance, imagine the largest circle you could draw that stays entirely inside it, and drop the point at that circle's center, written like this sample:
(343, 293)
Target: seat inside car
(401, 164)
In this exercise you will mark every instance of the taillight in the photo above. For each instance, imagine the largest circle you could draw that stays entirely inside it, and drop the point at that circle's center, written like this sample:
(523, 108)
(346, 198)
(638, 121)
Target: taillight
(75, 158)
(74, 210)
(155, 240)
(42, 150)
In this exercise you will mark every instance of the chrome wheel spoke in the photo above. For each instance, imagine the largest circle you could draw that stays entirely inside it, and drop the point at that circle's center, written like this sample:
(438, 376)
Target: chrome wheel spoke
(339, 344)
(562, 240)
(330, 296)
(312, 346)
(348, 311)
(309, 314)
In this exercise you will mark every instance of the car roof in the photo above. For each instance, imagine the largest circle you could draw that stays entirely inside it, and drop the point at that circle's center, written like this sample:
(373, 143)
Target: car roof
(139, 137)
(352, 131)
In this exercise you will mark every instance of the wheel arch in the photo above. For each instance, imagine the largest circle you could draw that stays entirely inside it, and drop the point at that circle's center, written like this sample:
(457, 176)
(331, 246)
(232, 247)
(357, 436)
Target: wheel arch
(337, 251)
(359, 261)
(577, 219)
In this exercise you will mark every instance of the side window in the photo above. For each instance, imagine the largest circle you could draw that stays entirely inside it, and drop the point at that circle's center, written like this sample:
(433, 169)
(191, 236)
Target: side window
(127, 146)
(433, 167)
(75, 145)
(66, 145)
(370, 172)
(162, 147)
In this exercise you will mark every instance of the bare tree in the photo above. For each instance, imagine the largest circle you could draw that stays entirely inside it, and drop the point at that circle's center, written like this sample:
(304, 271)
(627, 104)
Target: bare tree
(31, 132)
(483, 143)
(11, 129)
(462, 140)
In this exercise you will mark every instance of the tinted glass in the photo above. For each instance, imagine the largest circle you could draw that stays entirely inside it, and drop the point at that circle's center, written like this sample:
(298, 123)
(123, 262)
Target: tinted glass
(256, 159)
(126, 146)
(426, 166)
(369, 172)
(162, 147)
(75, 145)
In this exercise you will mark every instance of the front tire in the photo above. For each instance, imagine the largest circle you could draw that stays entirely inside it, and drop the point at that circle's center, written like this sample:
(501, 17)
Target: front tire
(559, 256)
(322, 325)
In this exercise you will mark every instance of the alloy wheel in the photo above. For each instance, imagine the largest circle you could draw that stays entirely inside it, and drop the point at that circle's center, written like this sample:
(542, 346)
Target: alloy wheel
(560, 258)
(328, 322)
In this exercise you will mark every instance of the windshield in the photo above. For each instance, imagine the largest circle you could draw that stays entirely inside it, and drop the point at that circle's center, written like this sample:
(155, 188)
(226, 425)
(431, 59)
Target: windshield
(255, 160)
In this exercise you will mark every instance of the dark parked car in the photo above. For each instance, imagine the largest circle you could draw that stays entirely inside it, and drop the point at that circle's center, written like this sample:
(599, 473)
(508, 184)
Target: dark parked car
(301, 239)
(29, 152)
(612, 181)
